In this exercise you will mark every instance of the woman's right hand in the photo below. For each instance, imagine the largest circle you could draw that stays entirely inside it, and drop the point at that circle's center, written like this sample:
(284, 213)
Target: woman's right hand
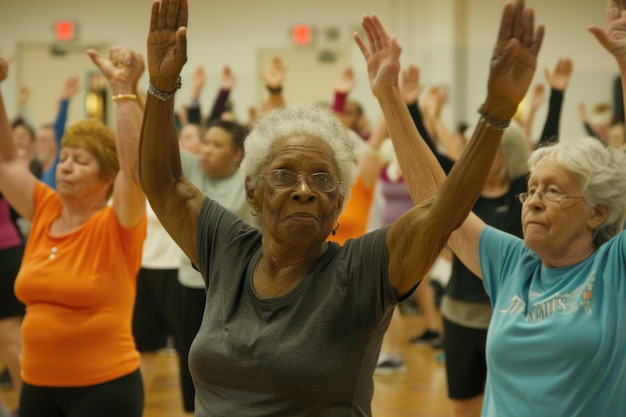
(167, 43)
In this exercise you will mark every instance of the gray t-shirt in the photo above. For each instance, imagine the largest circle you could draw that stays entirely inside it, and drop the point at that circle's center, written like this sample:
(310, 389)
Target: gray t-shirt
(311, 352)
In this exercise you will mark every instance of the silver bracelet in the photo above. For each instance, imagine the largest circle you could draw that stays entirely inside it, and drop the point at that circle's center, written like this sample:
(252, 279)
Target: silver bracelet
(162, 95)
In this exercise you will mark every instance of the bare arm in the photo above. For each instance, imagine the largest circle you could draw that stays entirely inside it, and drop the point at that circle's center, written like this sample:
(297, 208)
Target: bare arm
(614, 38)
(416, 238)
(17, 183)
(174, 199)
(122, 70)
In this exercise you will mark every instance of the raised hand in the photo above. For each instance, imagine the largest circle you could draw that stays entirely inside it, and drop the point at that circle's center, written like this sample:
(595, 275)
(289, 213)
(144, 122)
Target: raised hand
(228, 79)
(275, 74)
(410, 86)
(345, 84)
(614, 39)
(538, 96)
(559, 78)
(122, 70)
(199, 79)
(513, 62)
(70, 87)
(167, 43)
(4, 68)
(382, 55)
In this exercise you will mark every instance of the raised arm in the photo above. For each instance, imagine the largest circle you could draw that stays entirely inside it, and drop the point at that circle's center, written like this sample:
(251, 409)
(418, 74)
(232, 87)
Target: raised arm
(558, 79)
(433, 220)
(193, 109)
(614, 38)
(173, 198)
(411, 89)
(70, 88)
(274, 77)
(226, 86)
(122, 70)
(343, 87)
(17, 183)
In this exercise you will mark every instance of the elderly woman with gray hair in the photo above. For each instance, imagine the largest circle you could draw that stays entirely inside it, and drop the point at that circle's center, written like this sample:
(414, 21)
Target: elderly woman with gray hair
(293, 324)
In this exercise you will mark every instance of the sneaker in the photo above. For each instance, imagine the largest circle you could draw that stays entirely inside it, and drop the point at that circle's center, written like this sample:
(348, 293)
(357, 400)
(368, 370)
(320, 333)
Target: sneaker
(427, 337)
(391, 366)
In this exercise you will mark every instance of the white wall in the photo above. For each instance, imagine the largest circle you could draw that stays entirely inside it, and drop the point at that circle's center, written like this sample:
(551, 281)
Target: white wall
(451, 40)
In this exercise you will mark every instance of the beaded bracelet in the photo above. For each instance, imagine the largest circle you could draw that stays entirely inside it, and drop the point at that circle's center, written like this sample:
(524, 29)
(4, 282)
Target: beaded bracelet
(162, 95)
(496, 124)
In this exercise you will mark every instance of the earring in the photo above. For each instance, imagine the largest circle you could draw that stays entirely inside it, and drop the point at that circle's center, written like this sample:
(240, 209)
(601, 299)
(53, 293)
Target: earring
(335, 228)
(253, 211)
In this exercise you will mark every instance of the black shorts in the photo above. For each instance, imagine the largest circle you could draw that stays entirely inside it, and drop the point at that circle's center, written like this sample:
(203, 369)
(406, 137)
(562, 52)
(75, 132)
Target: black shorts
(157, 308)
(466, 366)
(10, 261)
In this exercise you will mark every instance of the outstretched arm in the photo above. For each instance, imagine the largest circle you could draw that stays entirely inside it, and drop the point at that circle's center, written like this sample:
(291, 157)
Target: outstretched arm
(122, 70)
(226, 86)
(173, 198)
(343, 87)
(435, 218)
(274, 78)
(614, 38)
(559, 80)
(17, 183)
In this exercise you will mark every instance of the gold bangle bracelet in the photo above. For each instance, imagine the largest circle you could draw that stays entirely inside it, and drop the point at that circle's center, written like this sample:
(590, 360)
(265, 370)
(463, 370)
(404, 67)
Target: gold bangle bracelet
(124, 97)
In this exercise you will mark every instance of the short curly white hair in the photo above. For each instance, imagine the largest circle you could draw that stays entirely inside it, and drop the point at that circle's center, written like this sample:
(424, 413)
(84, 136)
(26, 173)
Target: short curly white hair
(602, 174)
(310, 120)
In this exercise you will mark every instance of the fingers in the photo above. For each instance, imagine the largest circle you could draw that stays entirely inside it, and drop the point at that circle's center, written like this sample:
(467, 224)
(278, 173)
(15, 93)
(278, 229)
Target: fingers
(169, 14)
(95, 57)
(564, 66)
(4, 68)
(154, 15)
(536, 45)
(172, 14)
(529, 27)
(183, 13)
(361, 44)
(518, 19)
(506, 24)
(601, 36)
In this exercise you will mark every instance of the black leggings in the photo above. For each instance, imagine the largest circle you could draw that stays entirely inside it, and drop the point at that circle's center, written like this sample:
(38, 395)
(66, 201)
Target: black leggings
(192, 310)
(122, 397)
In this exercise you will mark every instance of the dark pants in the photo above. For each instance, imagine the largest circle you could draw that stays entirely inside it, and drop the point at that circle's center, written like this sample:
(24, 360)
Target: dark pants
(192, 310)
(122, 397)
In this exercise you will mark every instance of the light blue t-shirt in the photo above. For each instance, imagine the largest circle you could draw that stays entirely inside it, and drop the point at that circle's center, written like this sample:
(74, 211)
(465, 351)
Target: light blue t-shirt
(556, 344)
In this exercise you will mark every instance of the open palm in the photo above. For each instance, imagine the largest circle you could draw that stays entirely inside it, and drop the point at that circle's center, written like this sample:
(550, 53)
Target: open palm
(167, 43)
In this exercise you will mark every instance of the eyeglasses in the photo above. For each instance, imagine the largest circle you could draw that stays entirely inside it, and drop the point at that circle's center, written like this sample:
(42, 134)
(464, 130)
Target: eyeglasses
(320, 181)
(549, 197)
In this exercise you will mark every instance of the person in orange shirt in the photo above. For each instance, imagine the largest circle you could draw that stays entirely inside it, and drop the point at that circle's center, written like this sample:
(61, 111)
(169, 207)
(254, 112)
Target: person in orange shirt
(77, 277)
